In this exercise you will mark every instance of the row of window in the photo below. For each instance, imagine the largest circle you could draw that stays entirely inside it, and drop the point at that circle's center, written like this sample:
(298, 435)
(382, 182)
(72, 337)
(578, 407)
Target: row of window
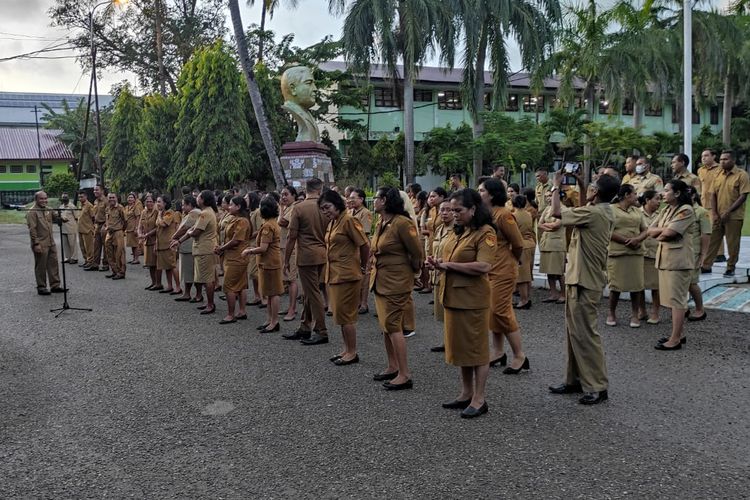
(451, 100)
(17, 169)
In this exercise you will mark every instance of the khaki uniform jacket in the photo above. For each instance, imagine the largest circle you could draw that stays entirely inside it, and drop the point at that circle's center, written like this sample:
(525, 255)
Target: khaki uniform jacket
(132, 216)
(40, 227)
(270, 233)
(540, 190)
(551, 241)
(166, 225)
(629, 224)
(205, 243)
(729, 186)
(364, 217)
(690, 179)
(115, 219)
(707, 176)
(70, 212)
(508, 238)
(645, 182)
(397, 256)
(285, 213)
(100, 211)
(650, 245)
(432, 223)
(189, 221)
(307, 221)
(526, 226)
(463, 291)
(86, 218)
(237, 228)
(677, 254)
(148, 223)
(344, 238)
(587, 253)
(701, 226)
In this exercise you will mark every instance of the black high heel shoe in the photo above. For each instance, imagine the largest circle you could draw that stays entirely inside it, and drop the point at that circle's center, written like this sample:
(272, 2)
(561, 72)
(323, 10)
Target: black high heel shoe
(270, 330)
(502, 360)
(516, 371)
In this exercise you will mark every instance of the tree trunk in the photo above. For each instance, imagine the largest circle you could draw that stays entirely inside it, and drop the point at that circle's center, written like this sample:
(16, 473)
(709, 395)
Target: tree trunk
(726, 119)
(408, 126)
(262, 29)
(587, 149)
(255, 96)
(637, 121)
(478, 121)
(160, 49)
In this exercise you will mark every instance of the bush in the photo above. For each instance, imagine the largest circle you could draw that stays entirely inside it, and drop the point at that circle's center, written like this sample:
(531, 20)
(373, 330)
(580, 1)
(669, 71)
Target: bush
(61, 182)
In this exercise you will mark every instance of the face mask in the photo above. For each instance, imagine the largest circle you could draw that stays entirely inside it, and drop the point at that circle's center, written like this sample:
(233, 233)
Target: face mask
(639, 169)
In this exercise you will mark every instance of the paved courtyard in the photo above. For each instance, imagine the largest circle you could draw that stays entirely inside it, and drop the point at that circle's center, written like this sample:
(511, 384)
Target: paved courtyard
(145, 398)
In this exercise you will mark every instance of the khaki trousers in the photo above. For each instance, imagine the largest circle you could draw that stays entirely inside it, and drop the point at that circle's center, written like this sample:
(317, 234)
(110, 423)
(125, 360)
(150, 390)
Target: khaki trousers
(732, 230)
(86, 241)
(115, 250)
(70, 246)
(46, 266)
(98, 248)
(313, 310)
(585, 354)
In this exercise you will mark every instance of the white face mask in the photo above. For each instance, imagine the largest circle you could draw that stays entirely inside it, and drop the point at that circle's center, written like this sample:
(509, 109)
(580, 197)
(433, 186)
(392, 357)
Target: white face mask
(639, 169)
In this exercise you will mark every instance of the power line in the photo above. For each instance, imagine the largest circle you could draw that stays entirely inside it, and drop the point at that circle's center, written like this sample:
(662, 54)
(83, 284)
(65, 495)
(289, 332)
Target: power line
(50, 48)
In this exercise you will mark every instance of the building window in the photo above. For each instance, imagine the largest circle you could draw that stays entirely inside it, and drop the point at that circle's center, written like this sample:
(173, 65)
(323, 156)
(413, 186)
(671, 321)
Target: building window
(450, 99)
(653, 110)
(532, 104)
(385, 98)
(627, 107)
(16, 169)
(512, 103)
(30, 169)
(422, 95)
(696, 117)
(603, 106)
(3, 169)
(715, 115)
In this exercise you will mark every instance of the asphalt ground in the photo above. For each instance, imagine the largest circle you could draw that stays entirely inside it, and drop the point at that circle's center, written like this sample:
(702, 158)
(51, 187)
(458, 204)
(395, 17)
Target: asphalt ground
(145, 398)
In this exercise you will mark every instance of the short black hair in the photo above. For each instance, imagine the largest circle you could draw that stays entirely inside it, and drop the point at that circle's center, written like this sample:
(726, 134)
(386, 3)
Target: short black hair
(313, 184)
(606, 188)
(190, 200)
(519, 201)
(291, 190)
(685, 197)
(332, 197)
(253, 200)
(498, 193)
(209, 200)
(166, 199)
(440, 191)
(394, 204)
(470, 198)
(360, 193)
(729, 152)
(269, 209)
(685, 159)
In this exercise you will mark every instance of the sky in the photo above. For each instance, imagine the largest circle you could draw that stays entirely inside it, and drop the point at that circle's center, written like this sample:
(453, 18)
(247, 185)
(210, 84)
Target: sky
(25, 26)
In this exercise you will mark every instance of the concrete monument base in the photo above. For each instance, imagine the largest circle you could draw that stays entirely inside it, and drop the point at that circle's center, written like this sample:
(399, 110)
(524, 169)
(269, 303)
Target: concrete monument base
(305, 160)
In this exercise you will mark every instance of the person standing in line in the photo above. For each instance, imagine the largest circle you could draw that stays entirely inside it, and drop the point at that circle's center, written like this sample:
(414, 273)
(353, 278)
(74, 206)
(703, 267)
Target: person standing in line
(526, 267)
(680, 172)
(630, 173)
(439, 238)
(585, 278)
(730, 189)
(700, 231)
(253, 205)
(286, 205)
(467, 259)
(190, 215)
(644, 179)
(46, 268)
(307, 227)
(100, 218)
(543, 185)
(650, 202)
(236, 241)
(552, 251)
(86, 229)
(357, 209)
(167, 222)
(397, 256)
(675, 258)
(115, 240)
(205, 238)
(268, 254)
(69, 229)
(147, 238)
(347, 251)
(707, 173)
(132, 217)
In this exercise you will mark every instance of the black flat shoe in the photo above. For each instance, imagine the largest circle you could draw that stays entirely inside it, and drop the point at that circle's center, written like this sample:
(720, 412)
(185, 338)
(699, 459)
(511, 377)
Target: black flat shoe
(270, 330)
(516, 371)
(167, 290)
(57, 289)
(502, 361)
(157, 288)
(457, 404)
(343, 362)
(471, 412)
(182, 299)
(438, 348)
(662, 347)
(565, 388)
(527, 305)
(683, 340)
(200, 308)
(297, 335)
(334, 358)
(593, 398)
(398, 387)
(43, 291)
(110, 276)
(315, 339)
(208, 311)
(227, 321)
(379, 377)
(118, 277)
(150, 287)
(196, 300)
(698, 318)
(241, 317)
(262, 327)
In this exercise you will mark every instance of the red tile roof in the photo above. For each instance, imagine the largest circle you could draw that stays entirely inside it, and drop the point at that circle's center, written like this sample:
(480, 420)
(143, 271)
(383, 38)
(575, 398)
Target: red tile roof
(21, 144)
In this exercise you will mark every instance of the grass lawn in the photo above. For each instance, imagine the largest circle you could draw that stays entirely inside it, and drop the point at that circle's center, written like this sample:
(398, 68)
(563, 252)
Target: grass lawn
(12, 217)
(746, 225)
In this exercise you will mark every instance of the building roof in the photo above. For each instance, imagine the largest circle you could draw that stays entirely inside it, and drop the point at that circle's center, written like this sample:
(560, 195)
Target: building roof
(17, 108)
(21, 144)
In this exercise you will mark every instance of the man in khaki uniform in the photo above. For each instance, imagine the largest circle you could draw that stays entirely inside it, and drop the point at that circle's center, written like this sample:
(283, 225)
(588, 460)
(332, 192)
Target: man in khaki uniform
(680, 172)
(307, 229)
(644, 180)
(542, 186)
(630, 169)
(708, 171)
(585, 278)
(86, 229)
(730, 187)
(39, 220)
(69, 229)
(115, 237)
(100, 218)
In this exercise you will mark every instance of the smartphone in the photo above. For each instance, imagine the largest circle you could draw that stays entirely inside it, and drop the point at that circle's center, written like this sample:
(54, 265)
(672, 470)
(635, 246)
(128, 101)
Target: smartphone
(572, 168)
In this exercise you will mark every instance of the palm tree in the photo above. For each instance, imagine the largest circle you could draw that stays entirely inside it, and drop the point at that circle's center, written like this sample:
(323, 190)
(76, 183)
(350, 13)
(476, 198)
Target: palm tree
(389, 30)
(487, 24)
(255, 96)
(267, 10)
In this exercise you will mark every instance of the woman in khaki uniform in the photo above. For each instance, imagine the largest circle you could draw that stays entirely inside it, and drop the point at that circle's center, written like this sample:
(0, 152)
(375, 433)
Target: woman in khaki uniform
(439, 238)
(347, 251)
(286, 202)
(552, 251)
(675, 258)
(466, 261)
(503, 275)
(147, 238)
(236, 241)
(256, 221)
(205, 239)
(357, 209)
(397, 256)
(132, 217)
(700, 231)
(525, 274)
(625, 256)
(167, 222)
(650, 201)
(268, 252)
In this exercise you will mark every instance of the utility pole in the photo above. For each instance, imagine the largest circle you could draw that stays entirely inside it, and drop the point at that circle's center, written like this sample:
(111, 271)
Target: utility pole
(687, 84)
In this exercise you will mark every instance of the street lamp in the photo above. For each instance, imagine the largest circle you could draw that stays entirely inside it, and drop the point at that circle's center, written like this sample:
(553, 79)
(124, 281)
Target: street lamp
(687, 84)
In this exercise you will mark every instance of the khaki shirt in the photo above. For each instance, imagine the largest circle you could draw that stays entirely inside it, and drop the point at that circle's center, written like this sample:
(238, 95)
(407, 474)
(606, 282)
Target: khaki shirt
(205, 243)
(364, 217)
(551, 241)
(270, 233)
(148, 223)
(587, 252)
(397, 254)
(237, 228)
(677, 254)
(650, 245)
(540, 191)
(707, 175)
(628, 224)
(690, 179)
(509, 238)
(40, 227)
(86, 218)
(115, 219)
(70, 213)
(628, 179)
(132, 216)
(344, 238)
(438, 243)
(188, 221)
(645, 182)
(463, 291)
(701, 226)
(307, 221)
(100, 211)
(285, 213)
(728, 187)
(526, 226)
(167, 223)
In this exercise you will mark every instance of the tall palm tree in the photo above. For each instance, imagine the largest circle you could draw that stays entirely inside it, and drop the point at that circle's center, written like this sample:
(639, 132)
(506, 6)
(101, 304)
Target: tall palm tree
(267, 10)
(253, 90)
(393, 30)
(487, 25)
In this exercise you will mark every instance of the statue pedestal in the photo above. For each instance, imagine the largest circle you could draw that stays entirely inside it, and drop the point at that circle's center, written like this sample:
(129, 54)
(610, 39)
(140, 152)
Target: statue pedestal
(305, 160)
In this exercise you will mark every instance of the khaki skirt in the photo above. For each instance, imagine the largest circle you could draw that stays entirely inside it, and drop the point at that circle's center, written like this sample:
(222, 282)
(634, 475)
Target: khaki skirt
(526, 266)
(131, 239)
(650, 274)
(252, 267)
(438, 309)
(270, 282)
(552, 263)
(466, 337)
(187, 270)
(204, 268)
(625, 273)
(395, 312)
(235, 278)
(149, 255)
(673, 288)
(166, 260)
(344, 300)
(695, 277)
(502, 317)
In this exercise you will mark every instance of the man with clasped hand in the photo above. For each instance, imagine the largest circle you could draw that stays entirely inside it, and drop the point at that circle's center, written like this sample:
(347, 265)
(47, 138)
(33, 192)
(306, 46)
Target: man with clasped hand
(40, 221)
